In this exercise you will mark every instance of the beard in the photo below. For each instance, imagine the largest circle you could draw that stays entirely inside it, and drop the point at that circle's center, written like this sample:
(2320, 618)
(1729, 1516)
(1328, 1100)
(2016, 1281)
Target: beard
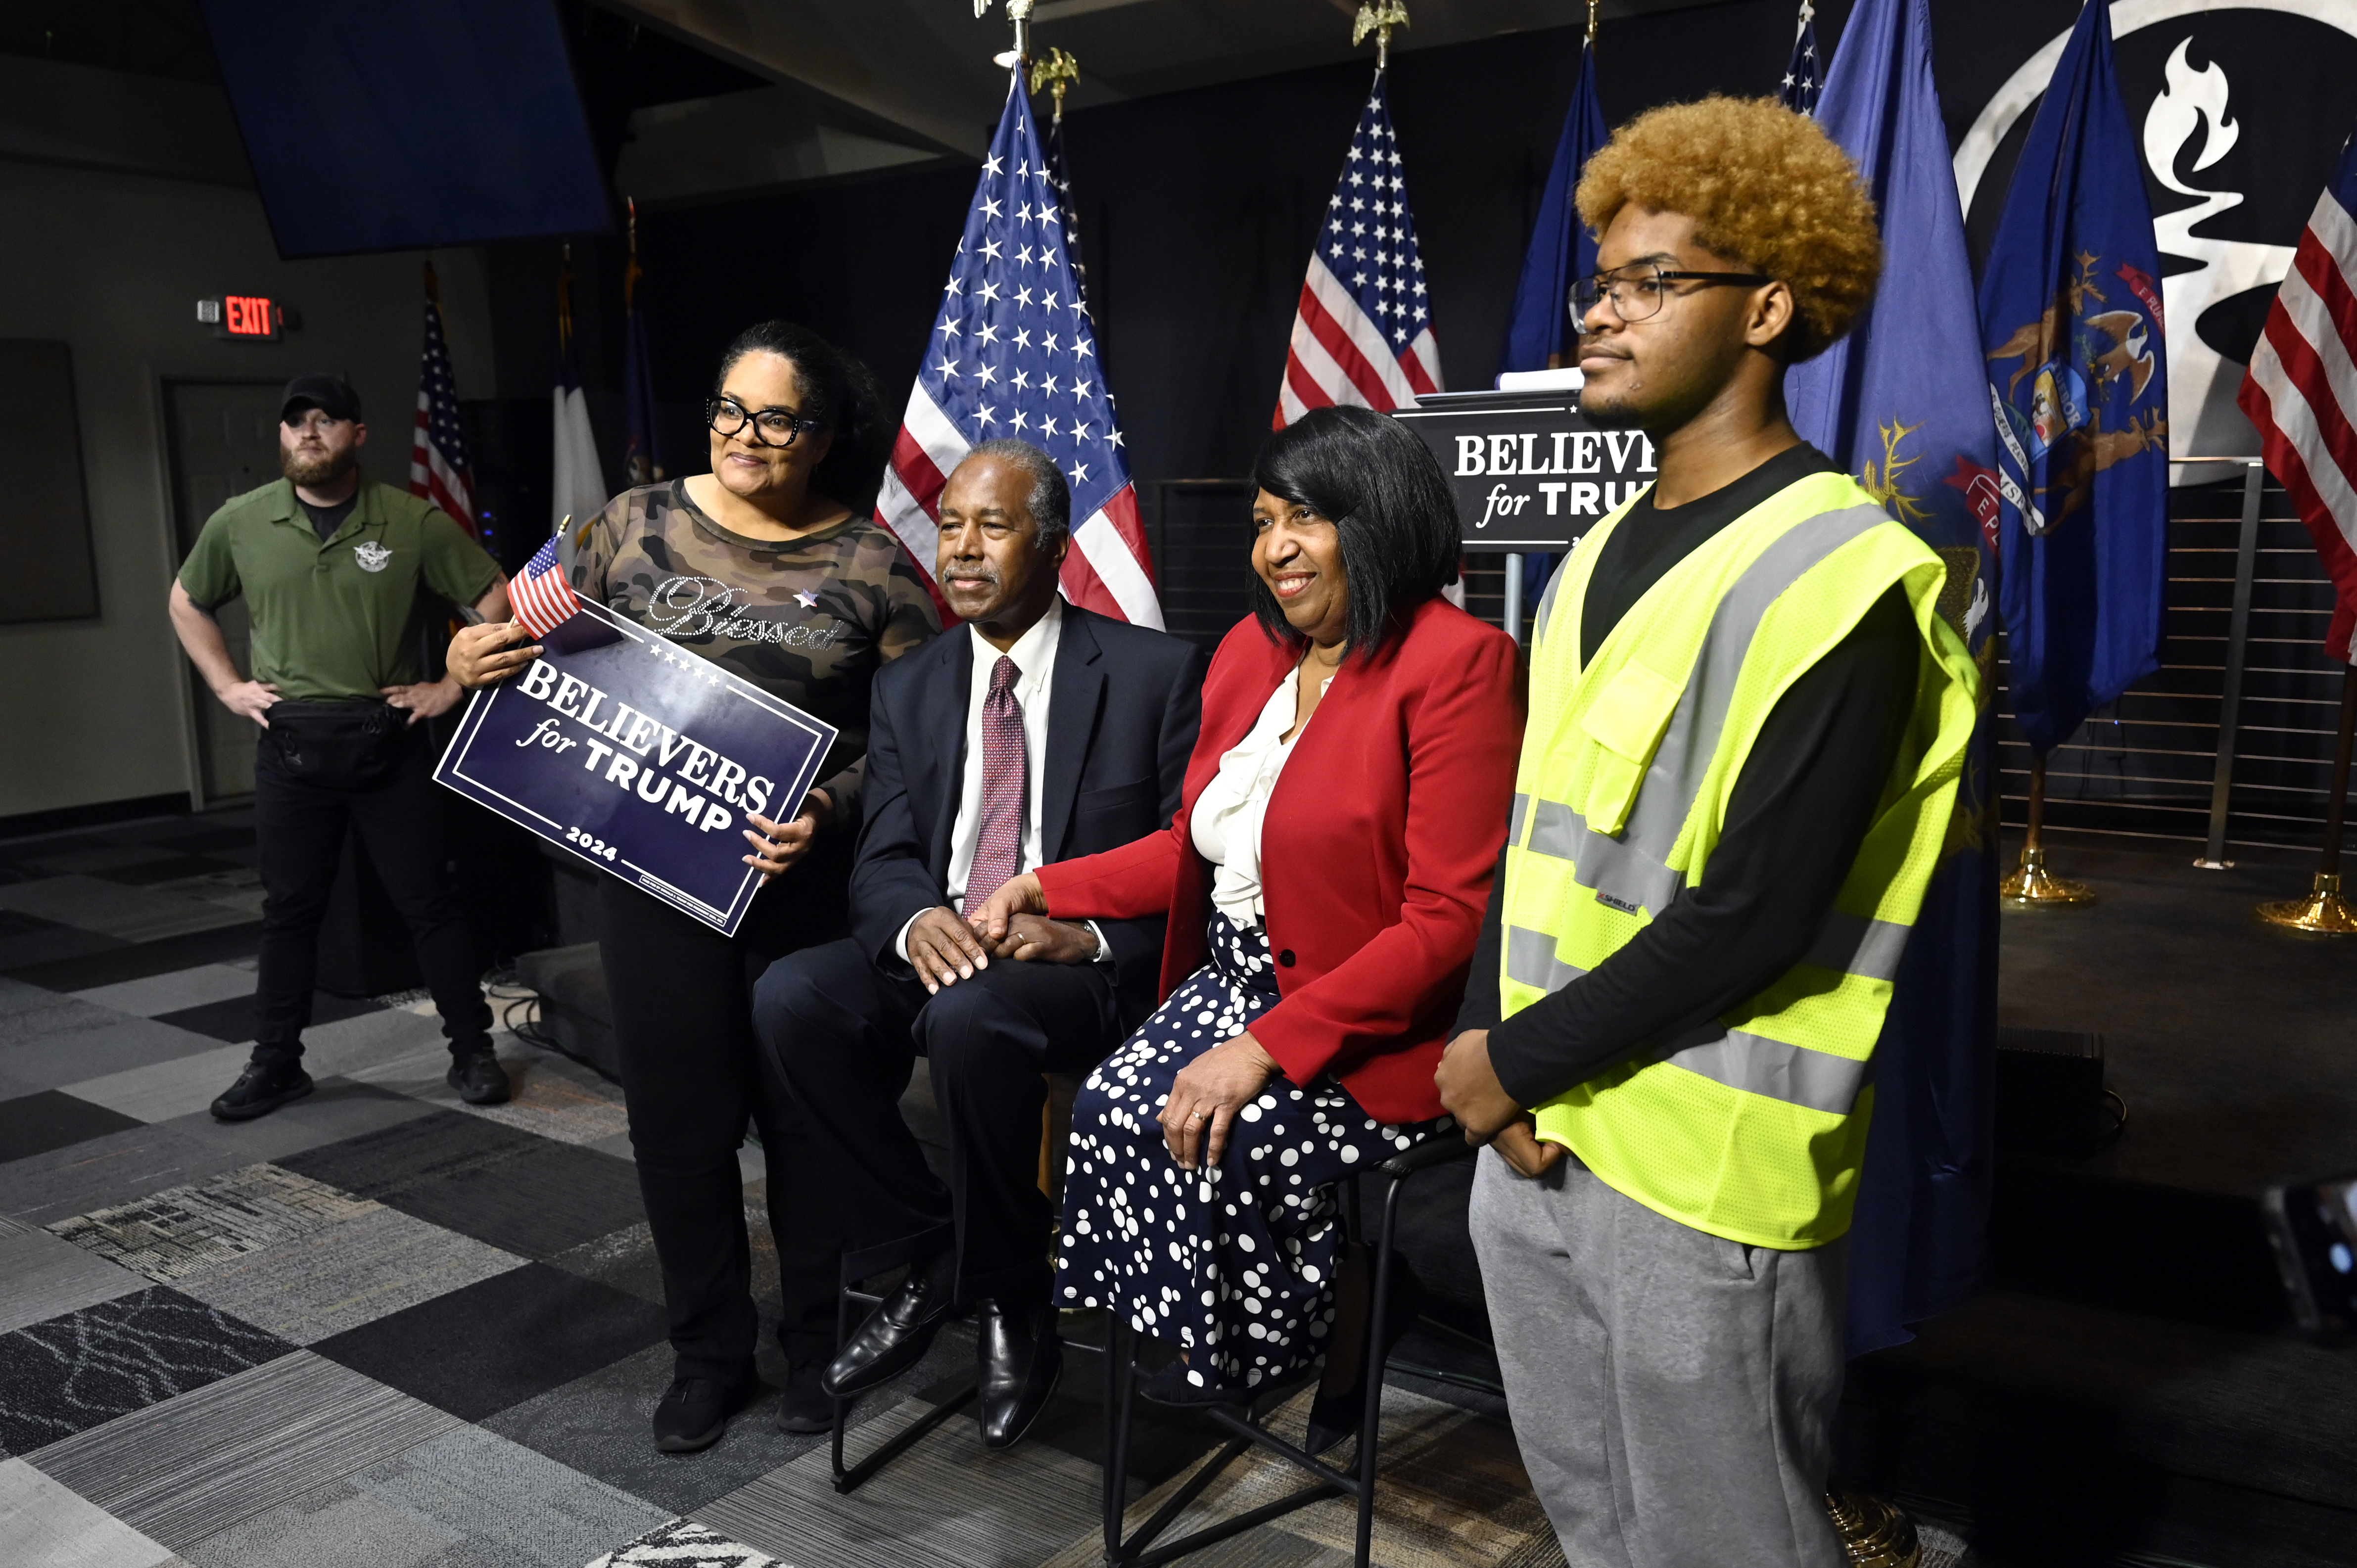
(314, 470)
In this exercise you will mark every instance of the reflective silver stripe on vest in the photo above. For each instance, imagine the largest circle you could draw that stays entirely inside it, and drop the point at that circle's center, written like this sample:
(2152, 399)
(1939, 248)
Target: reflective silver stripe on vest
(1531, 960)
(1547, 598)
(1857, 945)
(1816, 1080)
(1633, 869)
(1615, 867)
(1514, 819)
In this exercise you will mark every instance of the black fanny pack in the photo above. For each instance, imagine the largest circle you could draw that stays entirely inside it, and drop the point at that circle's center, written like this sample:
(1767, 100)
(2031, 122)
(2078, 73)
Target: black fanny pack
(347, 744)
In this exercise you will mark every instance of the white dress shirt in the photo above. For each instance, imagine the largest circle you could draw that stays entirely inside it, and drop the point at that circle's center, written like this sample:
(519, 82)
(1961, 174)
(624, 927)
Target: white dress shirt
(1034, 654)
(1226, 826)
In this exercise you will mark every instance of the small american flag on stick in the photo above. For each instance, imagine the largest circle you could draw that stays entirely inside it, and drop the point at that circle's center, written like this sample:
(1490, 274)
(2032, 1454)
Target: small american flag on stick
(541, 596)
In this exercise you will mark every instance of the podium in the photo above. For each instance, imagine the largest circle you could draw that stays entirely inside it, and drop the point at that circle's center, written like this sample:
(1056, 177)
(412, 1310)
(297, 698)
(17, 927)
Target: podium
(1528, 471)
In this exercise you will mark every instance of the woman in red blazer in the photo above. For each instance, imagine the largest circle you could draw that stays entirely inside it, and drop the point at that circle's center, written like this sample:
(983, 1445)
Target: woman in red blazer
(1325, 880)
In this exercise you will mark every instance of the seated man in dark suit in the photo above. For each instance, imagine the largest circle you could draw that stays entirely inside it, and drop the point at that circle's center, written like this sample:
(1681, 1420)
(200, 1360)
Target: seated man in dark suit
(1039, 732)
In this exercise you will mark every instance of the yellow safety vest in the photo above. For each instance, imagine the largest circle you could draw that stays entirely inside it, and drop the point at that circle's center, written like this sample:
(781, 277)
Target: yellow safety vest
(1753, 1127)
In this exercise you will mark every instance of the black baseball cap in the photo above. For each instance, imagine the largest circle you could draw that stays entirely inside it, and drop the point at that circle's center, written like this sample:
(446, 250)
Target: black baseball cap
(331, 395)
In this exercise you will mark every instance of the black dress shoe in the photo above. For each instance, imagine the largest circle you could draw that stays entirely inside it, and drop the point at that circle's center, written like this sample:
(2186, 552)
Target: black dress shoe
(262, 1088)
(1018, 1357)
(479, 1078)
(803, 1407)
(896, 1334)
(694, 1412)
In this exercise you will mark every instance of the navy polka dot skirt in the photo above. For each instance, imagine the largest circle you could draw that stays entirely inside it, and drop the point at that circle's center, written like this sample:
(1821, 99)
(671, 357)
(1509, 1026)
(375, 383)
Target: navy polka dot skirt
(1234, 1264)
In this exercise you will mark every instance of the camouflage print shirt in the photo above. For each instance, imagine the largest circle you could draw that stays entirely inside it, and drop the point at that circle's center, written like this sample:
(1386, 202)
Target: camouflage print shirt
(809, 619)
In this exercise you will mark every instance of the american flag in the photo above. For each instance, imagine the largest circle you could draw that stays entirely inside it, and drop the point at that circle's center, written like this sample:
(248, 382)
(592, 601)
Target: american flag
(1362, 333)
(2306, 362)
(1013, 354)
(438, 453)
(540, 597)
(1804, 75)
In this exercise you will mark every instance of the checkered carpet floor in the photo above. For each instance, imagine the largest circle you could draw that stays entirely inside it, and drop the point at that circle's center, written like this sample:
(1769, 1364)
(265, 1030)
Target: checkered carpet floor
(384, 1327)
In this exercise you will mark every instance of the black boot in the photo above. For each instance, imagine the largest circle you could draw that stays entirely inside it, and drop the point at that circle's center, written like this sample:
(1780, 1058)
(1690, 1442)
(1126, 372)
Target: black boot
(694, 1412)
(477, 1077)
(262, 1088)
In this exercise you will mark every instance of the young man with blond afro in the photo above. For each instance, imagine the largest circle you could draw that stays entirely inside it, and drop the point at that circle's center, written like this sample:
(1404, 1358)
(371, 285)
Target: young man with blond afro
(1746, 726)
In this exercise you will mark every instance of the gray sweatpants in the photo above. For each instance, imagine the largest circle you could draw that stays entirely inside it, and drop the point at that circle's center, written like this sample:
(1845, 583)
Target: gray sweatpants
(1673, 1392)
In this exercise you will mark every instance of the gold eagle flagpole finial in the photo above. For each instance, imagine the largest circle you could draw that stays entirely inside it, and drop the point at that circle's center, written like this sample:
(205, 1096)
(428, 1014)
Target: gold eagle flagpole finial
(1379, 17)
(1056, 71)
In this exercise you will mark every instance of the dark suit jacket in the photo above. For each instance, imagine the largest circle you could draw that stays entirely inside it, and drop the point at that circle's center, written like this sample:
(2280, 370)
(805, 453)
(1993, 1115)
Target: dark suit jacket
(1123, 711)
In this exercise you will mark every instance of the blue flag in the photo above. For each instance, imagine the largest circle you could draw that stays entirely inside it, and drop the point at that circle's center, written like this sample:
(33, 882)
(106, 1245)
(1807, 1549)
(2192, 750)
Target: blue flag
(1562, 250)
(1902, 404)
(2071, 319)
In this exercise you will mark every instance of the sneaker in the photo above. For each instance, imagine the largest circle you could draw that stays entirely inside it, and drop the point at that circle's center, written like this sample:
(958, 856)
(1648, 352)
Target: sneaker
(262, 1088)
(479, 1078)
(803, 1407)
(694, 1412)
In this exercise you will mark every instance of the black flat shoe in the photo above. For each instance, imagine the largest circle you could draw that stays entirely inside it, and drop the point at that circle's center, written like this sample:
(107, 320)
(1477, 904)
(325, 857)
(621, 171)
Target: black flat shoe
(1334, 1416)
(803, 1407)
(694, 1412)
(1019, 1358)
(260, 1089)
(896, 1334)
(479, 1078)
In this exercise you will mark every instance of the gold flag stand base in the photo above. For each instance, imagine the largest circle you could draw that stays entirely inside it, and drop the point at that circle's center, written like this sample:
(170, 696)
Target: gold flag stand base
(2031, 884)
(2323, 910)
(1874, 1533)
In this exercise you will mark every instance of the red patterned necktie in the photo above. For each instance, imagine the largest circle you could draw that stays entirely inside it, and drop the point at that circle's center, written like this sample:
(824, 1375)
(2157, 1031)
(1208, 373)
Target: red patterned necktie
(1006, 779)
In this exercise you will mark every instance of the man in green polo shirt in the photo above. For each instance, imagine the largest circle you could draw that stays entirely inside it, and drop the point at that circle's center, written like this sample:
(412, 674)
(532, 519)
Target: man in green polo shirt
(330, 565)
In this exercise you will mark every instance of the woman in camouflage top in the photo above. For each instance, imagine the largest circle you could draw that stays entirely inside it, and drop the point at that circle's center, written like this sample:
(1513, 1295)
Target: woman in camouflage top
(770, 565)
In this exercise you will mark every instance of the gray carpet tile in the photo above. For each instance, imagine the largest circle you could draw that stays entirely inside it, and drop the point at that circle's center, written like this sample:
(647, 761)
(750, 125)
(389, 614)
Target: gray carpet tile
(128, 914)
(316, 1285)
(462, 1498)
(500, 1341)
(336, 1112)
(114, 1169)
(554, 1098)
(50, 1119)
(540, 1201)
(599, 1424)
(26, 942)
(625, 1260)
(683, 1543)
(356, 1044)
(191, 874)
(231, 1018)
(49, 1524)
(196, 1466)
(194, 1230)
(162, 1091)
(71, 1373)
(96, 859)
(134, 961)
(159, 993)
(42, 1277)
(64, 1041)
(420, 1149)
(947, 1502)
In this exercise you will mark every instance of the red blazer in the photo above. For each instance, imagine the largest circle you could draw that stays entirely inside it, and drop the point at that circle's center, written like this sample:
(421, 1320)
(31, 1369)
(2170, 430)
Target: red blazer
(1378, 847)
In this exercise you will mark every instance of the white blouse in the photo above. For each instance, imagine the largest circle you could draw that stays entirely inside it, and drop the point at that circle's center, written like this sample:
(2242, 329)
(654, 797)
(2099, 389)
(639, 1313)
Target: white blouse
(1227, 818)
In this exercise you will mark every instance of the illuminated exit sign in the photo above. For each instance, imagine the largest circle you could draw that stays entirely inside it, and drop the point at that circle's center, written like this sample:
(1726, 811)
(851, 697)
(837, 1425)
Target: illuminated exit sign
(248, 316)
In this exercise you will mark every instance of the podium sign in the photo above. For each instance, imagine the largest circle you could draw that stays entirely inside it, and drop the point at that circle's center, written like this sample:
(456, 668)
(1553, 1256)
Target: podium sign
(1528, 471)
(641, 758)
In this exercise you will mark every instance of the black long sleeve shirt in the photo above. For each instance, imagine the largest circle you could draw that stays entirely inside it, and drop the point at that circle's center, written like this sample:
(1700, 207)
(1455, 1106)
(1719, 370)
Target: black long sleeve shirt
(1799, 808)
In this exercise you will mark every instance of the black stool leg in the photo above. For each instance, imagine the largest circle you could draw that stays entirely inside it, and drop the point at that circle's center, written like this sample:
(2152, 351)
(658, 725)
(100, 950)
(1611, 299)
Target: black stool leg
(1372, 1378)
(1120, 1382)
(842, 1338)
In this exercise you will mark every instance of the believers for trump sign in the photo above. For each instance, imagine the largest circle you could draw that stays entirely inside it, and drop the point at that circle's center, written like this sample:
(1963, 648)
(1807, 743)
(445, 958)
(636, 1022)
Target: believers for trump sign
(641, 758)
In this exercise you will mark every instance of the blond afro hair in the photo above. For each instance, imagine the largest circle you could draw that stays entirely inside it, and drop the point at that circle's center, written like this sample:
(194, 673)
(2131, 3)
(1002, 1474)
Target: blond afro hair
(1762, 184)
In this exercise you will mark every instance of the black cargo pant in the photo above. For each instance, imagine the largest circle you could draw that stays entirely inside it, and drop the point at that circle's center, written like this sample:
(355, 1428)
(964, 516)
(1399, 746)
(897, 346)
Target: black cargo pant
(298, 830)
(682, 996)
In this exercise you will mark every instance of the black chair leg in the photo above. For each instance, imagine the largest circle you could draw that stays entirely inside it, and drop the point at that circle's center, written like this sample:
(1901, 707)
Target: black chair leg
(1119, 1384)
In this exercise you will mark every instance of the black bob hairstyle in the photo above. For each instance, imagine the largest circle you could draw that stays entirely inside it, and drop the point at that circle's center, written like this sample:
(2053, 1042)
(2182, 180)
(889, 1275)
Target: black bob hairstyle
(838, 392)
(1384, 491)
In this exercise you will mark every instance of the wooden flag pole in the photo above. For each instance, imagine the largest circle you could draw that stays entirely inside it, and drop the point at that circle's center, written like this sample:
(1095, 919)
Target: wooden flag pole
(2323, 912)
(2030, 884)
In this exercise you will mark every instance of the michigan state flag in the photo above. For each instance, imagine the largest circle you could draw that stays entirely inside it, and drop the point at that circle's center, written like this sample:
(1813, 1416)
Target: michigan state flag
(1902, 404)
(2071, 322)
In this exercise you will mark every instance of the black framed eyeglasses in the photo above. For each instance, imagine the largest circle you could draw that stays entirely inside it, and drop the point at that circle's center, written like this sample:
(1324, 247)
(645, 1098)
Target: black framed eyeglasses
(780, 427)
(1637, 292)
